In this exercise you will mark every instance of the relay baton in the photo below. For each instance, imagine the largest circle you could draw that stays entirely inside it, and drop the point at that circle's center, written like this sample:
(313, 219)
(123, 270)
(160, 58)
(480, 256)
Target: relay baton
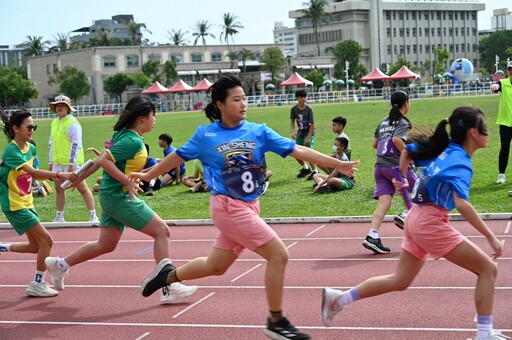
(405, 192)
(80, 171)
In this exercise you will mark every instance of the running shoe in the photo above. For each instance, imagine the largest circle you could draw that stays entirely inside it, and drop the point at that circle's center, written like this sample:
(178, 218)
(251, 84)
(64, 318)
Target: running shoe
(375, 245)
(42, 289)
(330, 306)
(400, 219)
(175, 291)
(283, 329)
(264, 188)
(310, 177)
(157, 278)
(57, 275)
(303, 173)
(59, 219)
(501, 179)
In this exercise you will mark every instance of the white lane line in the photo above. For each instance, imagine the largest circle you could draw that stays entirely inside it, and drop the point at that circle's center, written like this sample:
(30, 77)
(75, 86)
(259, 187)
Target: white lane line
(192, 305)
(291, 245)
(314, 231)
(246, 272)
(507, 228)
(143, 336)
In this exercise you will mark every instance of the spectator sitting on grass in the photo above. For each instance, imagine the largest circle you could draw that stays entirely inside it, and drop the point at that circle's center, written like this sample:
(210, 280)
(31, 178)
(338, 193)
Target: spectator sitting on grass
(335, 181)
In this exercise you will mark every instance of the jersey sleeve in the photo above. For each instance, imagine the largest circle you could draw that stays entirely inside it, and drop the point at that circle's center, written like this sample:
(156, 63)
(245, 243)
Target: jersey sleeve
(278, 144)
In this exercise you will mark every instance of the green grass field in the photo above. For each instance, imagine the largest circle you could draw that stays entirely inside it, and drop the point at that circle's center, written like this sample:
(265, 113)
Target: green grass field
(287, 195)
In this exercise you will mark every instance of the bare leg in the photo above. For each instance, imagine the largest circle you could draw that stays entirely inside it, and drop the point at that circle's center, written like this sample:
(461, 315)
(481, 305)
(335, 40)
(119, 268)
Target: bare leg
(107, 242)
(217, 262)
(381, 210)
(60, 197)
(39, 241)
(407, 269)
(86, 194)
(277, 256)
(467, 255)
(157, 229)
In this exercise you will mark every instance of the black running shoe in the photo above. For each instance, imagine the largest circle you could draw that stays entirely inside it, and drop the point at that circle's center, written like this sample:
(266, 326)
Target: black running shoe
(399, 221)
(158, 278)
(310, 177)
(303, 173)
(375, 245)
(283, 329)
(324, 188)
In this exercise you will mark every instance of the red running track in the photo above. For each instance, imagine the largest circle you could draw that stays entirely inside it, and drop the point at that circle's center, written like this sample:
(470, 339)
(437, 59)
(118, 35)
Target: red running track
(102, 297)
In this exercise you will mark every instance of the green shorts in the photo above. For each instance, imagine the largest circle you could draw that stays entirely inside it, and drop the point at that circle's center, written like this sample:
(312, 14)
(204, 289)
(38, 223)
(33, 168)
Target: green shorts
(22, 220)
(301, 140)
(120, 211)
(345, 184)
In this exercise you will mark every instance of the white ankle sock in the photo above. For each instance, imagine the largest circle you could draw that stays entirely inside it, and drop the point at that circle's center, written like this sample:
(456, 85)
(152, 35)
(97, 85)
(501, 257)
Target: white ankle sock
(62, 264)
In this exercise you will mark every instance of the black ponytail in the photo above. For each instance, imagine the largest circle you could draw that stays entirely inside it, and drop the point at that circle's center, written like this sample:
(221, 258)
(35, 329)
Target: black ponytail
(219, 92)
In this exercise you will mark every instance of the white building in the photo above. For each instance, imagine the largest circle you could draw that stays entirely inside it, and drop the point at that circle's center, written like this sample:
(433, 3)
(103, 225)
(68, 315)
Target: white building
(193, 64)
(501, 19)
(390, 29)
(287, 37)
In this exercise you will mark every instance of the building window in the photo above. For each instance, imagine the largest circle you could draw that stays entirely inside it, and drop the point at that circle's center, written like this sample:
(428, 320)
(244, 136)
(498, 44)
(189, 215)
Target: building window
(155, 58)
(109, 61)
(177, 58)
(388, 32)
(48, 69)
(389, 49)
(197, 58)
(217, 57)
(132, 61)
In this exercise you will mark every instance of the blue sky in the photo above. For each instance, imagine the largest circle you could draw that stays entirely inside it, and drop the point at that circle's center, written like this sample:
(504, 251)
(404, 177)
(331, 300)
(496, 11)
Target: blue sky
(49, 18)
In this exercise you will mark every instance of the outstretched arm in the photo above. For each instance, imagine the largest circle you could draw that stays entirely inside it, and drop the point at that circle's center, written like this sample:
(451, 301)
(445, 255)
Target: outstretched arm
(171, 161)
(313, 156)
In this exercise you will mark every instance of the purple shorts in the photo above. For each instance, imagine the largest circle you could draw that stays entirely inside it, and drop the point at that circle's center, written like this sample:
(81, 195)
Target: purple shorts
(383, 181)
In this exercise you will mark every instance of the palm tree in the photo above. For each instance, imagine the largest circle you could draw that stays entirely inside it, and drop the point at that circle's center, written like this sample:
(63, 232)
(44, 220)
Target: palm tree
(230, 27)
(177, 37)
(245, 55)
(105, 37)
(62, 42)
(201, 31)
(34, 46)
(134, 30)
(316, 12)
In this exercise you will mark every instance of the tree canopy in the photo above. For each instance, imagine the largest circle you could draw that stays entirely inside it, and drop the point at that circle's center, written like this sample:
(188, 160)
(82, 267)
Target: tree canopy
(14, 89)
(72, 82)
(273, 61)
(498, 44)
(348, 50)
(116, 84)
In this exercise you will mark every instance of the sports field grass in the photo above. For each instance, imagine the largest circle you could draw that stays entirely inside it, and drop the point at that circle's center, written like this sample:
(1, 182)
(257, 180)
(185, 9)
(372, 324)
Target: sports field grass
(287, 195)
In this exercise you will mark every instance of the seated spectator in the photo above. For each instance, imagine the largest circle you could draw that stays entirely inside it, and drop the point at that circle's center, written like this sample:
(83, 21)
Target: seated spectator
(149, 187)
(335, 181)
(176, 174)
(266, 174)
(196, 182)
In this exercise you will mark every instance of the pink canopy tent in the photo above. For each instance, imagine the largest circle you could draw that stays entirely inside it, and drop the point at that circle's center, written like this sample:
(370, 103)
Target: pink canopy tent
(296, 79)
(376, 74)
(204, 85)
(404, 73)
(180, 86)
(156, 88)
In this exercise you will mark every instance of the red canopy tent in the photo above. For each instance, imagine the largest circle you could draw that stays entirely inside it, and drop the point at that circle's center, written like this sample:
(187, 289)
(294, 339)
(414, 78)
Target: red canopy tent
(376, 74)
(156, 88)
(404, 73)
(296, 79)
(204, 85)
(180, 86)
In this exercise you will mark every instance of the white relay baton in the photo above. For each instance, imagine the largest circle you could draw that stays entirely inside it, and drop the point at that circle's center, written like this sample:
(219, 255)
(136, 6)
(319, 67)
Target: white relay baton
(80, 171)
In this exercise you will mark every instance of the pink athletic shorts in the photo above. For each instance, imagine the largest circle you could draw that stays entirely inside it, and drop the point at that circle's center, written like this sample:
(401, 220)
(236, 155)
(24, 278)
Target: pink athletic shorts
(239, 224)
(427, 230)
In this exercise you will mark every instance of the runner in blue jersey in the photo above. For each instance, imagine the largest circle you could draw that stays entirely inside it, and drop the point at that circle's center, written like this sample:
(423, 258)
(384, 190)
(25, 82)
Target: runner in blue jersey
(232, 151)
(443, 184)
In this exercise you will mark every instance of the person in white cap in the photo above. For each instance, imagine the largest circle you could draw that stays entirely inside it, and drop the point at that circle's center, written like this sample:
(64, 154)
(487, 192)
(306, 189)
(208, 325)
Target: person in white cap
(65, 153)
(504, 87)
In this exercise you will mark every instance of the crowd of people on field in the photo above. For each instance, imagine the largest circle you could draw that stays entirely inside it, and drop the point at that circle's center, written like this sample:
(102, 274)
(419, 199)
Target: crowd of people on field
(227, 159)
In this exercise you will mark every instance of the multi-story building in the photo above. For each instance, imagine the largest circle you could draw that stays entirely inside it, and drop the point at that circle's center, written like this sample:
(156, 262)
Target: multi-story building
(390, 29)
(11, 56)
(193, 64)
(116, 26)
(501, 19)
(287, 37)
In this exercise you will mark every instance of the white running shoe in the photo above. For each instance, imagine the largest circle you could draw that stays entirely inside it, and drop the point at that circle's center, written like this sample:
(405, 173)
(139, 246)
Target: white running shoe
(94, 219)
(494, 335)
(57, 274)
(501, 179)
(330, 305)
(175, 291)
(42, 289)
(59, 219)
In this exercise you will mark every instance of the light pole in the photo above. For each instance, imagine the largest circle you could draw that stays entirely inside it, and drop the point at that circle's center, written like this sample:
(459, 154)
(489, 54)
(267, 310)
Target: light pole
(347, 67)
(497, 62)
